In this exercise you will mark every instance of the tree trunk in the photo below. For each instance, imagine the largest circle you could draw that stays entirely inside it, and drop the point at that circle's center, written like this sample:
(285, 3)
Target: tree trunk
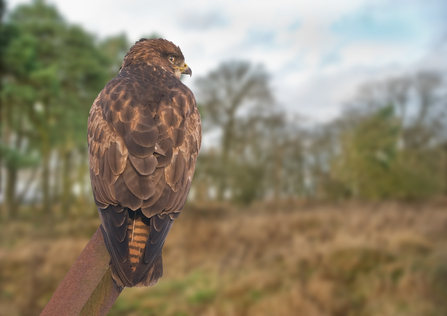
(12, 171)
(67, 182)
(278, 169)
(445, 170)
(224, 172)
(11, 202)
(46, 203)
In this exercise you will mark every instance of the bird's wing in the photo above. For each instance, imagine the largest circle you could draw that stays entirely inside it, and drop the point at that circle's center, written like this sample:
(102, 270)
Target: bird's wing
(143, 146)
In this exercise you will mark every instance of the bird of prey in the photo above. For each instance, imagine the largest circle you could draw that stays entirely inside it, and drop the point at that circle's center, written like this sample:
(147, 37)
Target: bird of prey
(144, 136)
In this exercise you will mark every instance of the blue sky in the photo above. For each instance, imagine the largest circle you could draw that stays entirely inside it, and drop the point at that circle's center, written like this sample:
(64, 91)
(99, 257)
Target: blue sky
(317, 52)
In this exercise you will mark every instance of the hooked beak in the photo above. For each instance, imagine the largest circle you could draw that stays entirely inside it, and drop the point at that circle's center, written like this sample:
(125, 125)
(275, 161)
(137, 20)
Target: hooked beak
(185, 70)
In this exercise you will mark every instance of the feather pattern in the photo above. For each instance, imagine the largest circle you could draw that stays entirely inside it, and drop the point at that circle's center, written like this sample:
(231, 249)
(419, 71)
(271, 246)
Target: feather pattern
(144, 136)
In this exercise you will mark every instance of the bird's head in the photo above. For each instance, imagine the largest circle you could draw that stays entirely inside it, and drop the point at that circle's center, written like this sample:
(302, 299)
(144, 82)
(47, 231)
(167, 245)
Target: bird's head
(158, 52)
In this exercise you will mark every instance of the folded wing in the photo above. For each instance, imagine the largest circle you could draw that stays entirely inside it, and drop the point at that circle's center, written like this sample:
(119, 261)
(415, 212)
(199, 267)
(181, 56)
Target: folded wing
(142, 157)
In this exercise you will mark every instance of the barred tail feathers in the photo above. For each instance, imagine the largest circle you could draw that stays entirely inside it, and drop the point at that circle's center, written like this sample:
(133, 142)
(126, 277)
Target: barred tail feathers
(129, 264)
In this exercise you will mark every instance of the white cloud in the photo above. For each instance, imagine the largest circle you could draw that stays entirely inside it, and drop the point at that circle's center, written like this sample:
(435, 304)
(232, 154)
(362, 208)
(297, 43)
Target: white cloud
(313, 67)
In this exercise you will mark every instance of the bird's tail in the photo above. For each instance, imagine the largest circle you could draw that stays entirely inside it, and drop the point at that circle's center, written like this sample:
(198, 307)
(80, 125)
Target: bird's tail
(138, 230)
(129, 262)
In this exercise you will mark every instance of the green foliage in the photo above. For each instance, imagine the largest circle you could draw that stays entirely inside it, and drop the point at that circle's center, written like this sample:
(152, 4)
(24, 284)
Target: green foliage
(373, 165)
(246, 183)
(16, 159)
(52, 72)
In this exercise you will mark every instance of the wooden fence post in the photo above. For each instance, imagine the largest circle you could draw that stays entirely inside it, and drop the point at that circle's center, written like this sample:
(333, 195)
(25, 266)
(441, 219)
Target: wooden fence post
(88, 288)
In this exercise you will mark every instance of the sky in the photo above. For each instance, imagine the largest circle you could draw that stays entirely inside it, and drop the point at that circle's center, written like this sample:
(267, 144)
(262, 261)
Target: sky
(317, 52)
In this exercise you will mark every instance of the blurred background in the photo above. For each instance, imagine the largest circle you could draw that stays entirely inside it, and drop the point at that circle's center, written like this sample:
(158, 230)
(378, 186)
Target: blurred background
(321, 187)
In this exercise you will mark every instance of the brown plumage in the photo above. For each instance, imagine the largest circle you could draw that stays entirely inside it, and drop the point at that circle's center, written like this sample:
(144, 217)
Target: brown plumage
(144, 135)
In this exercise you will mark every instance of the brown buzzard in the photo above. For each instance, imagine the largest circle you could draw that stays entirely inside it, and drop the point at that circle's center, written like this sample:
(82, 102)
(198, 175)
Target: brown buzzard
(144, 135)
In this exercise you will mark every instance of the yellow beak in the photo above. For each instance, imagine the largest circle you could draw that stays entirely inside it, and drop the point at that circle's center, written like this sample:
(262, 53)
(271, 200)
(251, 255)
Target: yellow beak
(185, 70)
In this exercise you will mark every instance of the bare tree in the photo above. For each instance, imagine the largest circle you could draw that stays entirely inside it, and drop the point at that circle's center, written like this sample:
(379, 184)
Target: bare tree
(419, 103)
(235, 90)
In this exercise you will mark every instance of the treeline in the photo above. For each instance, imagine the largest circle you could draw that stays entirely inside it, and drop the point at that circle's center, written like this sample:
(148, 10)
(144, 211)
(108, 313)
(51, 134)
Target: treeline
(389, 143)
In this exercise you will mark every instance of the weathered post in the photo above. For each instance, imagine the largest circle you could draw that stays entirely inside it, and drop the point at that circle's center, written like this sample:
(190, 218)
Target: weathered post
(88, 288)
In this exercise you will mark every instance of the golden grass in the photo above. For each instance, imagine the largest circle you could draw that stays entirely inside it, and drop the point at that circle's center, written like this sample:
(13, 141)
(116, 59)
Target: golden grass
(348, 259)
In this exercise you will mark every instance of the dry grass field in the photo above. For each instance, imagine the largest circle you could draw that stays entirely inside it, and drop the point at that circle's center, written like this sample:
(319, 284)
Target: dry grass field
(347, 259)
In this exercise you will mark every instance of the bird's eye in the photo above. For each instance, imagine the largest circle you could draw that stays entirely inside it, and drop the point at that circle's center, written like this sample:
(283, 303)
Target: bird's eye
(171, 59)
